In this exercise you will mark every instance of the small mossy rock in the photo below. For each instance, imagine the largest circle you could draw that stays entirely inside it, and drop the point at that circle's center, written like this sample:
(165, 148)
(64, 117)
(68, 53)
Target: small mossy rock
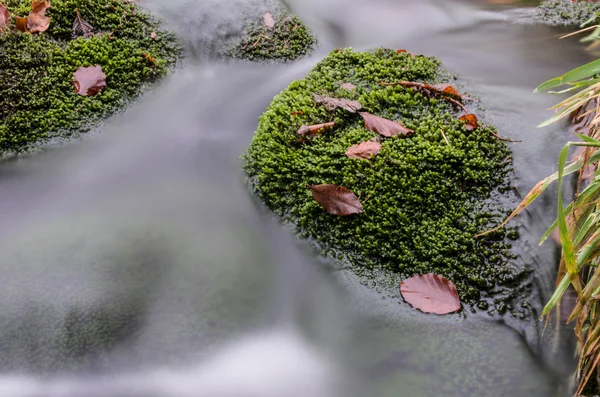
(289, 39)
(566, 12)
(424, 199)
(37, 99)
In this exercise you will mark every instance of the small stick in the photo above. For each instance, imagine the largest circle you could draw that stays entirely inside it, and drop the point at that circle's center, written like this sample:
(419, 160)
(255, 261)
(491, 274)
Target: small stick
(444, 135)
(503, 139)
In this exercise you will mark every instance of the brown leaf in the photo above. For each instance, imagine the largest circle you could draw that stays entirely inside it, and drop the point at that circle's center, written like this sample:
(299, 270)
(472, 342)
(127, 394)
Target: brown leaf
(153, 36)
(471, 122)
(348, 86)
(363, 150)
(383, 126)
(81, 27)
(89, 81)
(430, 293)
(268, 19)
(400, 51)
(314, 129)
(444, 90)
(4, 16)
(21, 23)
(337, 200)
(37, 21)
(332, 103)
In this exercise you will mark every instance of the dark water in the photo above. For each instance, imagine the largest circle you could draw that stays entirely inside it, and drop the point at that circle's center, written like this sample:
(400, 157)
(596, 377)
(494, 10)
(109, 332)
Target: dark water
(136, 263)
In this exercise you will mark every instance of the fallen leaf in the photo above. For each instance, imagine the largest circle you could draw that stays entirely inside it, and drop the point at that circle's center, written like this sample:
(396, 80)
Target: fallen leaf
(444, 90)
(314, 129)
(337, 200)
(430, 293)
(149, 58)
(383, 126)
(297, 113)
(21, 23)
(4, 16)
(333, 103)
(471, 122)
(81, 27)
(268, 19)
(348, 86)
(37, 21)
(363, 150)
(89, 81)
(447, 89)
(153, 36)
(400, 51)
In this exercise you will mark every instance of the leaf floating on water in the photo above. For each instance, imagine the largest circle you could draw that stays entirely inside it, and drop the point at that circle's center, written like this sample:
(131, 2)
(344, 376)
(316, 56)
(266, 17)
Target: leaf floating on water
(89, 81)
(430, 293)
(383, 126)
(81, 27)
(337, 200)
(268, 19)
(364, 150)
(471, 122)
(21, 23)
(348, 86)
(333, 103)
(314, 129)
(4, 16)
(37, 21)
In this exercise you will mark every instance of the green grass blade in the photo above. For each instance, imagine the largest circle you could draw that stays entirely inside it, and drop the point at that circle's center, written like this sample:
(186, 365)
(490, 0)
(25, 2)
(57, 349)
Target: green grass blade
(582, 72)
(565, 239)
(558, 293)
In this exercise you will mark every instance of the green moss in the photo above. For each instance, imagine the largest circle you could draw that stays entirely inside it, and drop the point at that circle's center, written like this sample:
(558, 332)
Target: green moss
(424, 200)
(566, 12)
(37, 98)
(288, 40)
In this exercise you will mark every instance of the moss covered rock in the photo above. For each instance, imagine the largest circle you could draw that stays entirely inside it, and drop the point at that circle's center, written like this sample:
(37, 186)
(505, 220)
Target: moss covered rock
(37, 98)
(566, 12)
(424, 199)
(289, 39)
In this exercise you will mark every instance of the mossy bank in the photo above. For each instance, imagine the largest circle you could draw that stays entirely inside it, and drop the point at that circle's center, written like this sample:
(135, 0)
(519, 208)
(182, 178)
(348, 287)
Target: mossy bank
(566, 12)
(37, 98)
(287, 40)
(425, 196)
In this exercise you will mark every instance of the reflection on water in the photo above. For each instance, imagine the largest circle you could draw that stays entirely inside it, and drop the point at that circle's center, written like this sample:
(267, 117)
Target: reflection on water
(136, 263)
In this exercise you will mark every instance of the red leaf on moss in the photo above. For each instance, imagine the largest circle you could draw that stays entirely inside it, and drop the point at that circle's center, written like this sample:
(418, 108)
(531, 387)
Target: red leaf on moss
(268, 19)
(383, 126)
(348, 86)
(333, 103)
(337, 200)
(430, 293)
(153, 36)
(314, 129)
(21, 23)
(364, 150)
(37, 21)
(4, 16)
(471, 122)
(89, 81)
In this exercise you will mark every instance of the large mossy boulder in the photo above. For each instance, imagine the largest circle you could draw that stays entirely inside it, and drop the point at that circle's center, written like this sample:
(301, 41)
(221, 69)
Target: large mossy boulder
(37, 97)
(425, 196)
(566, 12)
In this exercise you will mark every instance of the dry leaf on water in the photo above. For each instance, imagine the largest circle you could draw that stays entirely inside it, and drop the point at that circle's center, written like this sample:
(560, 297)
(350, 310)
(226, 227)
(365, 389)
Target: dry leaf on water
(268, 19)
(348, 86)
(333, 103)
(471, 122)
(430, 293)
(337, 200)
(4, 16)
(383, 126)
(37, 21)
(363, 150)
(81, 27)
(89, 81)
(314, 129)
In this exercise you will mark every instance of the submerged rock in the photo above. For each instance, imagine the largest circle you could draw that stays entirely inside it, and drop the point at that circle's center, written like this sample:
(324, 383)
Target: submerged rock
(566, 12)
(426, 195)
(37, 97)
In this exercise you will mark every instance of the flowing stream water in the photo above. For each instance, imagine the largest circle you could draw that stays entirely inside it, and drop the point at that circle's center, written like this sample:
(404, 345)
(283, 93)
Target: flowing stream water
(135, 262)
